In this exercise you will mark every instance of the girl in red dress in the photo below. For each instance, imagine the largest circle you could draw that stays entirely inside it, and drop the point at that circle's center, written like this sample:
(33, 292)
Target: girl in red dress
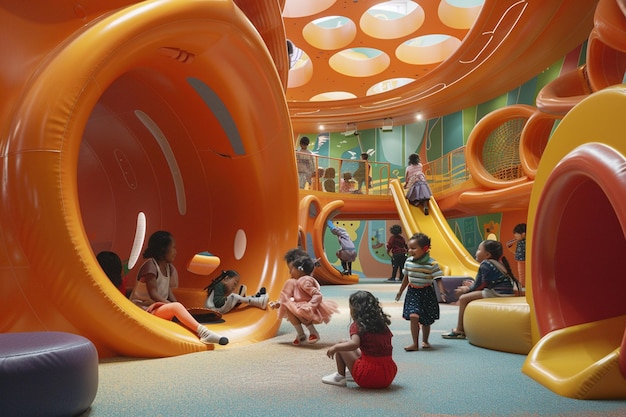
(367, 354)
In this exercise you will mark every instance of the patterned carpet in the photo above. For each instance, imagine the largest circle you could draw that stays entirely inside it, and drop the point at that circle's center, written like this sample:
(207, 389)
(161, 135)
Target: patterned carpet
(274, 378)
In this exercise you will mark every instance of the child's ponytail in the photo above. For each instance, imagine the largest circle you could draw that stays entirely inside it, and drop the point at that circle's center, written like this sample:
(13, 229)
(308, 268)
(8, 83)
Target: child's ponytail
(509, 272)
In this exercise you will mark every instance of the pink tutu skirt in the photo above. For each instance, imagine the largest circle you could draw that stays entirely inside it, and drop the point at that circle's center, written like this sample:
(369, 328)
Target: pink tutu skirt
(311, 314)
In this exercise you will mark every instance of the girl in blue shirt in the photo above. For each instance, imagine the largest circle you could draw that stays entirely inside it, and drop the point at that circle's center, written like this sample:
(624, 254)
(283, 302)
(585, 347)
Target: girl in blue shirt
(494, 279)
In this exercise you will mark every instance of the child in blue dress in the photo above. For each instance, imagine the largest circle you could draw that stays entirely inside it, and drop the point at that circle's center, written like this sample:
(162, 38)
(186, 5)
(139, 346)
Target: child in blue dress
(494, 279)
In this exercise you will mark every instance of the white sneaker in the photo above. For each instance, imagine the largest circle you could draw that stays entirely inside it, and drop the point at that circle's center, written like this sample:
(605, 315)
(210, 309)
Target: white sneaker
(260, 301)
(349, 376)
(335, 379)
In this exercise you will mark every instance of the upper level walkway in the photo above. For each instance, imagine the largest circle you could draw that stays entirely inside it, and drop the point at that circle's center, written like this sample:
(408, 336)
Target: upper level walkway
(448, 178)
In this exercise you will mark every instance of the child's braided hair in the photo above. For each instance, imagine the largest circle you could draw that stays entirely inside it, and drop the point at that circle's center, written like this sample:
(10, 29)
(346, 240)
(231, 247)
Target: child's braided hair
(221, 277)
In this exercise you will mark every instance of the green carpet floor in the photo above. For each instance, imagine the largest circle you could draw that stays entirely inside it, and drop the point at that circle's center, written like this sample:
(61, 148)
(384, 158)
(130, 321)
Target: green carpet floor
(274, 378)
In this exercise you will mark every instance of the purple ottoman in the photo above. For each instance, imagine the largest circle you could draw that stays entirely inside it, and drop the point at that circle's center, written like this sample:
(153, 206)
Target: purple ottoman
(449, 285)
(47, 374)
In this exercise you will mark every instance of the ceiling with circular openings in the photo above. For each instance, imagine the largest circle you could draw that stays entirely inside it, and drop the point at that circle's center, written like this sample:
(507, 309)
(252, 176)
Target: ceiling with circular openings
(367, 46)
(360, 61)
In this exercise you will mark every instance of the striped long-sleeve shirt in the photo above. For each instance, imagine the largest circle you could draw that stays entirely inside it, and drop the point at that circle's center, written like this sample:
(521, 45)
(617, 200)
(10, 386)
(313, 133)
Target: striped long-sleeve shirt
(422, 272)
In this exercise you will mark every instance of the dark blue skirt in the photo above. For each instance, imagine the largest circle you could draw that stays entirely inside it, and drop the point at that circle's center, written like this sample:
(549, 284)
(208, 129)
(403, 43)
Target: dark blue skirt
(421, 301)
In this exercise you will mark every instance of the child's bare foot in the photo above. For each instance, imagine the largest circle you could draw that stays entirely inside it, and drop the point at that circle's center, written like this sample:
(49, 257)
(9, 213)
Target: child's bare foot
(425, 345)
(411, 348)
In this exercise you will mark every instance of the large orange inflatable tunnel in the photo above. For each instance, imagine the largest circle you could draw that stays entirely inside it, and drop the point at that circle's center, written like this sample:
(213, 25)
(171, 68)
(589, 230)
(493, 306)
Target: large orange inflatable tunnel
(119, 120)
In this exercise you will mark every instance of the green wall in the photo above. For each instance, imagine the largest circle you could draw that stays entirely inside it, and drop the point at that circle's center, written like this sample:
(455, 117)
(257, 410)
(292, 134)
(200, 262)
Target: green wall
(433, 138)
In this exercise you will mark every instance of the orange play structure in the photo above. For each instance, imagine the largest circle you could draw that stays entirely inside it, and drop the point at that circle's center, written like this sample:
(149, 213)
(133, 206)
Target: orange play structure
(120, 118)
(578, 217)
(116, 112)
(316, 208)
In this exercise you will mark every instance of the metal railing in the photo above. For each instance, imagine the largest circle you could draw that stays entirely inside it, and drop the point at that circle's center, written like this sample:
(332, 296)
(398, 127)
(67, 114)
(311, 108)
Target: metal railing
(443, 175)
(336, 175)
(447, 172)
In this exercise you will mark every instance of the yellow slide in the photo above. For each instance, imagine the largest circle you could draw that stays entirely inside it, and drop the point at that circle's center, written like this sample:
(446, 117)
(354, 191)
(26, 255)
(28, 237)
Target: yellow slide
(581, 361)
(446, 248)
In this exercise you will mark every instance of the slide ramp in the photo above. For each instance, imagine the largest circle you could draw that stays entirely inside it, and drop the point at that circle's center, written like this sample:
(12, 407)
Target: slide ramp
(445, 248)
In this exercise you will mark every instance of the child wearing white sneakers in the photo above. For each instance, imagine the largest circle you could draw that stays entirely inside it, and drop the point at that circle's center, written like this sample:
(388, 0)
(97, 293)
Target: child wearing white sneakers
(366, 357)
(225, 293)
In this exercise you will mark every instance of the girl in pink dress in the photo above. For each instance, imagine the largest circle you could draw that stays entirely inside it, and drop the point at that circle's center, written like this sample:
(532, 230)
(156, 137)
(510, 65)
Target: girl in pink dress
(417, 189)
(301, 301)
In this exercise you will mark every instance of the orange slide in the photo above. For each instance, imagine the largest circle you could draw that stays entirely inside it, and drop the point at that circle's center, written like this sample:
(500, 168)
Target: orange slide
(121, 119)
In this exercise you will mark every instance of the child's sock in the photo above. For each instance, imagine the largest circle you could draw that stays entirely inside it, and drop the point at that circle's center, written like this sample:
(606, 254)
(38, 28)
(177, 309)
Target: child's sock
(260, 301)
(314, 336)
(301, 337)
(207, 336)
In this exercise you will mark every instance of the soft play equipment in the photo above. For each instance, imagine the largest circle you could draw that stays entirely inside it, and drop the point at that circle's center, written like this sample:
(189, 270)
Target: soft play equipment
(497, 146)
(317, 208)
(578, 206)
(499, 323)
(47, 374)
(578, 217)
(120, 119)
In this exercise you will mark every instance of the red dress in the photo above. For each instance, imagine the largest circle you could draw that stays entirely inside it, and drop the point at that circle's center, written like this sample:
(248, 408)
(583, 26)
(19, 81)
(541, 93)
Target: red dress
(376, 367)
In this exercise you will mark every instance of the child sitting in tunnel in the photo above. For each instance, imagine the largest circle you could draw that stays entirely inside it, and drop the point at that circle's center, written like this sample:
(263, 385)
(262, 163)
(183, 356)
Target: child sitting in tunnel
(153, 289)
(225, 293)
(111, 264)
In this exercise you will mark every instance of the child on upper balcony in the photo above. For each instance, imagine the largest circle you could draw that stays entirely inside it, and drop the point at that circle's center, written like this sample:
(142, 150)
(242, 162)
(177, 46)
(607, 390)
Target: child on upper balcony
(347, 184)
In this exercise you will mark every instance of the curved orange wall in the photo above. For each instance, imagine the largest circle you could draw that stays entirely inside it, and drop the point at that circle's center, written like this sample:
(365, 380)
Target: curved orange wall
(131, 113)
